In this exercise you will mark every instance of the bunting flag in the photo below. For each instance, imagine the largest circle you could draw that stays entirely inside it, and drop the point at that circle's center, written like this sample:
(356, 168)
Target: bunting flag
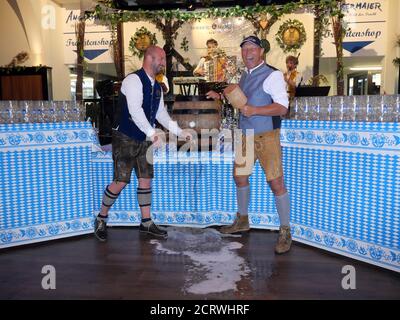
(355, 46)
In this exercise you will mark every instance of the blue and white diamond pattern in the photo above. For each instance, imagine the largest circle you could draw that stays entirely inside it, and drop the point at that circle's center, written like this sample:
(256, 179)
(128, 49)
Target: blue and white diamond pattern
(342, 178)
(46, 178)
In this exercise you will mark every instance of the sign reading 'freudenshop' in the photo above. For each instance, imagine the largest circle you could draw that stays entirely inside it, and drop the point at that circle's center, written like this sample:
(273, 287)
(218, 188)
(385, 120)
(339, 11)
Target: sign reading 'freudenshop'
(367, 23)
(97, 42)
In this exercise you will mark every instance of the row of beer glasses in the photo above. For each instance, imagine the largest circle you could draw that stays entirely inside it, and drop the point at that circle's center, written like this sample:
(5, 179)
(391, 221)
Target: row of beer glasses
(40, 111)
(374, 108)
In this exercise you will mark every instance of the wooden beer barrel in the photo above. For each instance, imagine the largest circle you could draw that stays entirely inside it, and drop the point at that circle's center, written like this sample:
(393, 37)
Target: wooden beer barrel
(197, 112)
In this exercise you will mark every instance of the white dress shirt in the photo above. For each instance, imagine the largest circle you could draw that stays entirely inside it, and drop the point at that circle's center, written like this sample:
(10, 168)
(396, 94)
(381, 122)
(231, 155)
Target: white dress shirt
(132, 88)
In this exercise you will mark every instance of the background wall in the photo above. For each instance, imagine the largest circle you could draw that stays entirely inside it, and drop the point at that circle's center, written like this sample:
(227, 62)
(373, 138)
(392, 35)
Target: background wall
(133, 63)
(229, 33)
(379, 56)
(276, 56)
(43, 39)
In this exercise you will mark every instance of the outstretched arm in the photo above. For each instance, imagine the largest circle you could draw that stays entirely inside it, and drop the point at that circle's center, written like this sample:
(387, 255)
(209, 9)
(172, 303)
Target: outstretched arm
(273, 109)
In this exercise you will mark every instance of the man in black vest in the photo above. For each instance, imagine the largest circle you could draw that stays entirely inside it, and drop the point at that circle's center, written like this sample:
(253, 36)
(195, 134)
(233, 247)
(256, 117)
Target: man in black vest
(140, 104)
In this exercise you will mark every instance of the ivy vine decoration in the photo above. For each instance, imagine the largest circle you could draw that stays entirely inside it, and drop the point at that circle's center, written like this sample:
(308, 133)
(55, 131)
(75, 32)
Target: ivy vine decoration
(185, 44)
(291, 36)
(106, 11)
(140, 41)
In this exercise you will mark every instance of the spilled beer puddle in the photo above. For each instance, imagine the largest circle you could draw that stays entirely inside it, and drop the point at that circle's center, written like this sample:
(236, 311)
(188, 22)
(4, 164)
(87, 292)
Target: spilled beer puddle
(216, 266)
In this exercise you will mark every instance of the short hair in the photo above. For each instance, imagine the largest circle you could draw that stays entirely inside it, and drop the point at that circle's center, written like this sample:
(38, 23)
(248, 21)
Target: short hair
(294, 59)
(213, 41)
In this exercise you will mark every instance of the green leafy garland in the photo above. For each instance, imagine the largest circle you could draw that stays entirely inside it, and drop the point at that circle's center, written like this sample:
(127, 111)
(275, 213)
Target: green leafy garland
(295, 24)
(106, 12)
(138, 34)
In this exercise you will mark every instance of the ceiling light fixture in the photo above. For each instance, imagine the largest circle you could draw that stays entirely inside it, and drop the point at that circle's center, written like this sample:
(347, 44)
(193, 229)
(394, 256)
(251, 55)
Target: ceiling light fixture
(365, 68)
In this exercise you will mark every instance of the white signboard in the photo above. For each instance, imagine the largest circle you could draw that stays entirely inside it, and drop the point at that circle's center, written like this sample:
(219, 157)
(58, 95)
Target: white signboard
(97, 40)
(367, 21)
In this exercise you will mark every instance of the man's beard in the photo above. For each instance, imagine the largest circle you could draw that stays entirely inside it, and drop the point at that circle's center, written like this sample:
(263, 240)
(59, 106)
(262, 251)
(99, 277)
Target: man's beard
(158, 69)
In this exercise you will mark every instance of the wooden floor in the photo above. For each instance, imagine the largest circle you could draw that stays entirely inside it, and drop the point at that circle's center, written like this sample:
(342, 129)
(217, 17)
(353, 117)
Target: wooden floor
(129, 267)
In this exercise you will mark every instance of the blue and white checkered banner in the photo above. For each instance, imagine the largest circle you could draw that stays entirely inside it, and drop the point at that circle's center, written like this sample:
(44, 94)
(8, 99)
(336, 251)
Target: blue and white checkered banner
(193, 189)
(342, 178)
(46, 181)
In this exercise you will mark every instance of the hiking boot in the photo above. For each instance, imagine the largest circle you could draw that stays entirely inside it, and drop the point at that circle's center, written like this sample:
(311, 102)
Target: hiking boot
(153, 230)
(100, 229)
(284, 240)
(240, 224)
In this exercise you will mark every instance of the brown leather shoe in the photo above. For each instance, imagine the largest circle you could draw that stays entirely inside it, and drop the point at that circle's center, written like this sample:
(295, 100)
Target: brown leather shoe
(284, 240)
(240, 224)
